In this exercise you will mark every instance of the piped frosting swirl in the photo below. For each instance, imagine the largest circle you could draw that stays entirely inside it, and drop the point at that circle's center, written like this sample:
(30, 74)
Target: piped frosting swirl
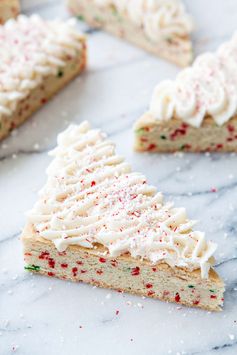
(92, 196)
(207, 88)
(32, 48)
(159, 18)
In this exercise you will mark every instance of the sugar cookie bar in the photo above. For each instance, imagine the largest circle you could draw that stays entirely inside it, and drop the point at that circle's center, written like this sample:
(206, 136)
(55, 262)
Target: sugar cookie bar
(161, 27)
(196, 112)
(98, 222)
(37, 59)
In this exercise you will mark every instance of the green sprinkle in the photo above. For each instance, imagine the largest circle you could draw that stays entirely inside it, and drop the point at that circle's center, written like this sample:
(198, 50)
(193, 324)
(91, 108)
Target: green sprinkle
(32, 267)
(163, 137)
(81, 17)
(140, 131)
(212, 290)
(182, 147)
(191, 286)
(60, 73)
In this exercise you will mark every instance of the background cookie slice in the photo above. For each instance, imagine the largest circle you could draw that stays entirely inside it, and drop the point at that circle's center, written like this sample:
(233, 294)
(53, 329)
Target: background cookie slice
(8, 9)
(98, 222)
(160, 27)
(196, 112)
(37, 59)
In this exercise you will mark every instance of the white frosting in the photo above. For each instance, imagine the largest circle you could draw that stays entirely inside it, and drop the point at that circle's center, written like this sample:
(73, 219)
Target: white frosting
(207, 88)
(92, 196)
(159, 18)
(30, 49)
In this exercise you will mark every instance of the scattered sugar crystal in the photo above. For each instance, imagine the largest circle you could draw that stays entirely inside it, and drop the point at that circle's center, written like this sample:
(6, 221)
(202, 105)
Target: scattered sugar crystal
(10, 292)
(36, 146)
(15, 348)
(231, 336)
(108, 296)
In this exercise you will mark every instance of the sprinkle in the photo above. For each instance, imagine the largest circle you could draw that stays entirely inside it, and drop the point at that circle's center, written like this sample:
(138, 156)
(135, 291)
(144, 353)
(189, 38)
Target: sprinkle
(177, 297)
(149, 285)
(102, 260)
(117, 312)
(135, 271)
(51, 273)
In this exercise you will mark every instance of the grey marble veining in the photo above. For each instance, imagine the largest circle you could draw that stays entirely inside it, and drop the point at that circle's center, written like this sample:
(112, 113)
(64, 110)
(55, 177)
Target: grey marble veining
(47, 316)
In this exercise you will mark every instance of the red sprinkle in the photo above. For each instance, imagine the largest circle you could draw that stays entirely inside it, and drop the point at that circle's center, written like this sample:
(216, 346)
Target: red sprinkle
(64, 265)
(83, 271)
(79, 263)
(44, 255)
(102, 260)
(74, 271)
(230, 128)
(114, 263)
(213, 189)
(212, 296)
(177, 297)
(149, 285)
(93, 183)
(150, 293)
(154, 269)
(151, 146)
(51, 262)
(51, 273)
(135, 271)
(117, 312)
(196, 302)
(99, 272)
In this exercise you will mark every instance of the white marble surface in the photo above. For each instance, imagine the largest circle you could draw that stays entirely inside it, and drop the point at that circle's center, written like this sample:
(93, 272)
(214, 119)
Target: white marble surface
(46, 316)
